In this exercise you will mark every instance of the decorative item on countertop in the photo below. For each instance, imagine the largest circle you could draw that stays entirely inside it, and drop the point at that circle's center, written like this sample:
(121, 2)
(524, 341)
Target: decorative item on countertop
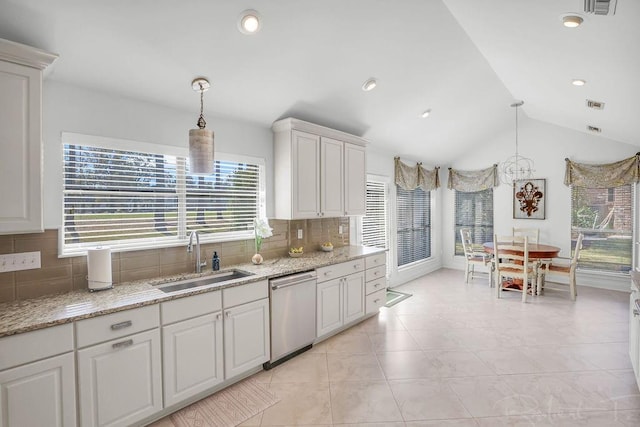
(262, 231)
(99, 268)
(296, 252)
(327, 246)
(215, 261)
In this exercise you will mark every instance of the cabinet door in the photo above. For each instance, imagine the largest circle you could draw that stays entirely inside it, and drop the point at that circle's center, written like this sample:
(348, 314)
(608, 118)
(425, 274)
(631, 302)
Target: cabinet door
(246, 337)
(120, 381)
(192, 357)
(331, 178)
(329, 309)
(355, 173)
(305, 177)
(48, 384)
(21, 141)
(353, 289)
(634, 335)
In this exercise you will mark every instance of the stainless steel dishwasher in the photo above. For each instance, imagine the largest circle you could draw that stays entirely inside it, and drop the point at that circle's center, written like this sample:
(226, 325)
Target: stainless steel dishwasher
(293, 316)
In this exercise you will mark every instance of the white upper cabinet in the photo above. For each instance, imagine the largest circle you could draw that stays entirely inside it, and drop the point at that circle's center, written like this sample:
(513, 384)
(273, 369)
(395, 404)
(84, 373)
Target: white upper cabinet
(331, 177)
(319, 172)
(355, 179)
(21, 137)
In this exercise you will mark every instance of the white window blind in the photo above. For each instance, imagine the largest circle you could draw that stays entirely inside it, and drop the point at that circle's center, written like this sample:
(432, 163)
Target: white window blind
(136, 200)
(413, 209)
(474, 211)
(374, 223)
(605, 217)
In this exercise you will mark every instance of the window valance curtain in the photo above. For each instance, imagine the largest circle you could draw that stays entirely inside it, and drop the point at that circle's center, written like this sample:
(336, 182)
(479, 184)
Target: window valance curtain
(472, 181)
(412, 177)
(606, 175)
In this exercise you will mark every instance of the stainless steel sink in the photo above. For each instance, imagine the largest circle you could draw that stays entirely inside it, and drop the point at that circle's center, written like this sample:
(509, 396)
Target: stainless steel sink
(221, 277)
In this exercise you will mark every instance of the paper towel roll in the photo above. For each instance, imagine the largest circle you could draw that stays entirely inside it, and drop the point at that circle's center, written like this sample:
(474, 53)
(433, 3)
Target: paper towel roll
(99, 268)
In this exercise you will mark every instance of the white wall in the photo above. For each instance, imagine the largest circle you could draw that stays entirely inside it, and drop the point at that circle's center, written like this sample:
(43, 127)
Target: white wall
(548, 145)
(68, 108)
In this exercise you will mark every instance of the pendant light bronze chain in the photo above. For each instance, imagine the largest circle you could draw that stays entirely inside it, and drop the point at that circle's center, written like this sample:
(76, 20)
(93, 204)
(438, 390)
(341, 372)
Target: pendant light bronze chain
(201, 122)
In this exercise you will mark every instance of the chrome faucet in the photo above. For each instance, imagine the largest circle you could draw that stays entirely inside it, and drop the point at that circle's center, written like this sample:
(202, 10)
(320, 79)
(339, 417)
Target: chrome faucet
(199, 264)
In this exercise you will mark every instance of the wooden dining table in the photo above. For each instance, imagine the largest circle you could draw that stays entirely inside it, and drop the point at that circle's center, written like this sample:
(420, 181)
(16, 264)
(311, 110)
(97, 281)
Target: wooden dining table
(537, 251)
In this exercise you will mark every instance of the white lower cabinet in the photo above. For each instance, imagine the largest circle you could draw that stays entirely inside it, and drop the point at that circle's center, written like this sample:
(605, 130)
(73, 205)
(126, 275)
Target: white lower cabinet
(375, 282)
(39, 394)
(329, 310)
(120, 380)
(353, 291)
(340, 300)
(191, 346)
(192, 351)
(246, 337)
(37, 378)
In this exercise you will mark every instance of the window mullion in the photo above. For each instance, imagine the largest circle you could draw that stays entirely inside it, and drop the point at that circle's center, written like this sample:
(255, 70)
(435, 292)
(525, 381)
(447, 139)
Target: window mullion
(181, 192)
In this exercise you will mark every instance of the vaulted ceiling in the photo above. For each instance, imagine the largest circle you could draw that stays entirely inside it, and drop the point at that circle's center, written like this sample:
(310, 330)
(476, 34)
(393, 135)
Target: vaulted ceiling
(466, 60)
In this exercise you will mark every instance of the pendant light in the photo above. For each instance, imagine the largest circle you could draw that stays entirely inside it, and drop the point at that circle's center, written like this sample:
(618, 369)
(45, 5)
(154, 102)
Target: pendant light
(516, 167)
(201, 139)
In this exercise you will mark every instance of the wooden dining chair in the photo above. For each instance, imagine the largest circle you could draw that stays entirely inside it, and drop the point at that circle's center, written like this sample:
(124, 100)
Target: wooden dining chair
(472, 255)
(563, 266)
(532, 233)
(511, 256)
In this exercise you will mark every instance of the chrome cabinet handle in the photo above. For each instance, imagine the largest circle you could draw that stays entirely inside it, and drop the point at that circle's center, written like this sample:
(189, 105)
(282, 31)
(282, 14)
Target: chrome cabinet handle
(218, 316)
(636, 313)
(228, 314)
(327, 273)
(376, 285)
(376, 300)
(122, 344)
(121, 325)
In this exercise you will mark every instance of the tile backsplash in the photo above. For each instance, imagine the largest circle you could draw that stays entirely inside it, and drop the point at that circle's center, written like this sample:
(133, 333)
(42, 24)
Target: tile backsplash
(65, 274)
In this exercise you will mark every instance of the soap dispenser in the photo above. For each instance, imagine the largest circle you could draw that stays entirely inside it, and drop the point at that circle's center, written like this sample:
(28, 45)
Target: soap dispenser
(215, 262)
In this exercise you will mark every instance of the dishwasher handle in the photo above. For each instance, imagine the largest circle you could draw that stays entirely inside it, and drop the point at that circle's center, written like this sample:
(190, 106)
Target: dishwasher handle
(291, 280)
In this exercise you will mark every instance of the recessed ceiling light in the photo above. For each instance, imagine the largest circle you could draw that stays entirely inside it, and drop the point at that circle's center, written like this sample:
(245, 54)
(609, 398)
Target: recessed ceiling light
(426, 113)
(249, 22)
(578, 82)
(572, 21)
(370, 84)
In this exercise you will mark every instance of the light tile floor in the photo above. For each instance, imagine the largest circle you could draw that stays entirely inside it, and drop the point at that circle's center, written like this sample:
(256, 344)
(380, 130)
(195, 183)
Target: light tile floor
(454, 355)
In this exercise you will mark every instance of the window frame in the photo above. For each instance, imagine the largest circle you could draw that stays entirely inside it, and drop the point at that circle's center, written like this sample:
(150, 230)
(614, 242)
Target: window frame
(606, 198)
(384, 181)
(429, 249)
(457, 239)
(181, 154)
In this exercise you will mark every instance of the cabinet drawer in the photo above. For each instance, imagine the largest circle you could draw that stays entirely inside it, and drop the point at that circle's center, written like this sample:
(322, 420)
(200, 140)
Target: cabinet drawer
(376, 273)
(339, 270)
(116, 325)
(192, 306)
(376, 260)
(24, 348)
(245, 293)
(375, 300)
(375, 285)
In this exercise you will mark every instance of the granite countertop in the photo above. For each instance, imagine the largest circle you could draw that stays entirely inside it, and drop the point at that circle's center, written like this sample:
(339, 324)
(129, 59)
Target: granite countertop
(28, 315)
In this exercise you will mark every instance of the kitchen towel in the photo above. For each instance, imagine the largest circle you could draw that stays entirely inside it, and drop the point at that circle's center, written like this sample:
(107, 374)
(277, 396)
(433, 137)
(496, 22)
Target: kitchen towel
(99, 268)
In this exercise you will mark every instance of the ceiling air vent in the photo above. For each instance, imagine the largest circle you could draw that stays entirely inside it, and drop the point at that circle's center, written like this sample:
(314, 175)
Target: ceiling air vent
(600, 7)
(594, 129)
(596, 105)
